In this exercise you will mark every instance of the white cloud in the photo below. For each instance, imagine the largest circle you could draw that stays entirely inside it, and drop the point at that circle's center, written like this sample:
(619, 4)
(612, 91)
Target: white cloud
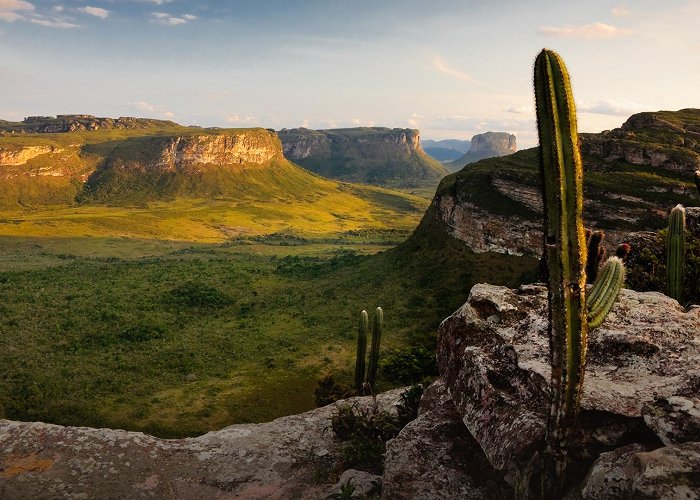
(242, 120)
(615, 107)
(520, 110)
(158, 2)
(171, 20)
(152, 109)
(620, 11)
(595, 30)
(53, 23)
(443, 67)
(142, 106)
(95, 11)
(58, 8)
(10, 9)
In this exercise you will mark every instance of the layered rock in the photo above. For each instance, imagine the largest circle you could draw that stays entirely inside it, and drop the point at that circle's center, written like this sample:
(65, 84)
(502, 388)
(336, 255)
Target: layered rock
(493, 357)
(72, 123)
(494, 205)
(487, 145)
(20, 156)
(371, 155)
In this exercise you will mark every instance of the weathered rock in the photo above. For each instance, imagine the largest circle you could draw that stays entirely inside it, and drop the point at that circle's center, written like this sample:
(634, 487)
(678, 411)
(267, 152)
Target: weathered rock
(364, 483)
(291, 457)
(493, 355)
(675, 419)
(434, 456)
(671, 472)
(20, 156)
(486, 145)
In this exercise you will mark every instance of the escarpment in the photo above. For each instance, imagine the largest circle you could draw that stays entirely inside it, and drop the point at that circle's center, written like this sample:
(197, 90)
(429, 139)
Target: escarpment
(374, 155)
(487, 145)
(634, 176)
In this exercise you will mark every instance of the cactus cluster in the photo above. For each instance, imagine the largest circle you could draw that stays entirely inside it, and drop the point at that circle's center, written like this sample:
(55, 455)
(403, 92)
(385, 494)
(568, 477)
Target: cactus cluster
(368, 381)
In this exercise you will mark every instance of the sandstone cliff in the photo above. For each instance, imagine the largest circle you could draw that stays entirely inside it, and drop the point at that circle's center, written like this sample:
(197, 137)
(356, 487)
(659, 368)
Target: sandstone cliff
(633, 176)
(379, 156)
(72, 123)
(488, 145)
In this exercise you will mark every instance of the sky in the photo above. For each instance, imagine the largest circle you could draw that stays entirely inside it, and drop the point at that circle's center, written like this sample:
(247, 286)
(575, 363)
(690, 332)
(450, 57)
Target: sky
(451, 68)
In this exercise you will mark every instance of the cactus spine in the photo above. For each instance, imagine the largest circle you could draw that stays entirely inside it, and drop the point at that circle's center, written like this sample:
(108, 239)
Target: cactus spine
(604, 291)
(675, 252)
(374, 352)
(361, 351)
(565, 249)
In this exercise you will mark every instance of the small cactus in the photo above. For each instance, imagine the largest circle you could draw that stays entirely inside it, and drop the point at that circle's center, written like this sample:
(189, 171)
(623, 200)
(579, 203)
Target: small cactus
(623, 251)
(596, 252)
(604, 291)
(361, 351)
(374, 352)
(697, 180)
(675, 253)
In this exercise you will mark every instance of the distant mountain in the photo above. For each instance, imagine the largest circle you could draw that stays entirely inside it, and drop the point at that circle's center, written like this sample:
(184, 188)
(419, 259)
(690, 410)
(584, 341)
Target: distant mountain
(633, 176)
(488, 145)
(446, 150)
(78, 159)
(380, 156)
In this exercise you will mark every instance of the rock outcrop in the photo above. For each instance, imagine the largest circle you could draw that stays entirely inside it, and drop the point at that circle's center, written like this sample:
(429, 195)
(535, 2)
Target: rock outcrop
(376, 155)
(291, 457)
(494, 204)
(72, 123)
(487, 145)
(20, 156)
(493, 357)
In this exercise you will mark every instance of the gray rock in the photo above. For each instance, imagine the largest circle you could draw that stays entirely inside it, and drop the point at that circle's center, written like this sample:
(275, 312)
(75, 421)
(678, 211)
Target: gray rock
(671, 472)
(365, 483)
(675, 420)
(497, 370)
(434, 456)
(291, 457)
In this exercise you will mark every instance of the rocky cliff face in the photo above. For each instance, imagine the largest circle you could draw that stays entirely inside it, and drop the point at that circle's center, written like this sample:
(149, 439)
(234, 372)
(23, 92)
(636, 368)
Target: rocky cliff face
(488, 145)
(371, 155)
(633, 176)
(20, 156)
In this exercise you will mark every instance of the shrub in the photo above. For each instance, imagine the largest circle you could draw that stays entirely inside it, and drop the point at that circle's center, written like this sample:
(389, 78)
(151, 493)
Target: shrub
(409, 365)
(192, 294)
(329, 391)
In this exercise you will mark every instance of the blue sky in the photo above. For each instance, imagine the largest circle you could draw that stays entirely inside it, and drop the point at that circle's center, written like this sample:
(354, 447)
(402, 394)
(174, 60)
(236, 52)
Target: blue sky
(449, 68)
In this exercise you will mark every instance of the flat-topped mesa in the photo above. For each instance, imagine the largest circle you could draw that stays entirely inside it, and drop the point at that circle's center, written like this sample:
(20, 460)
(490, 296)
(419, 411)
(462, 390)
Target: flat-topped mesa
(487, 145)
(78, 122)
(374, 155)
(254, 147)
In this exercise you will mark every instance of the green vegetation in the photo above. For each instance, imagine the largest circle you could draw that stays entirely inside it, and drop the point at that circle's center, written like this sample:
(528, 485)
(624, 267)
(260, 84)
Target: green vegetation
(373, 366)
(675, 253)
(177, 338)
(605, 291)
(361, 354)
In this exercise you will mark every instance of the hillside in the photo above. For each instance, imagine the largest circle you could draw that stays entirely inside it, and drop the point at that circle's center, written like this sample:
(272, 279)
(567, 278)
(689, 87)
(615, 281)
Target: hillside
(379, 156)
(633, 176)
(487, 145)
(445, 150)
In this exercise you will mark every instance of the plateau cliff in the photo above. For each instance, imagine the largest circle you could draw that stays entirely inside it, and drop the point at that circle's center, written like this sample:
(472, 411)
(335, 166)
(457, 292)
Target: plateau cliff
(488, 145)
(72, 123)
(634, 176)
(381, 156)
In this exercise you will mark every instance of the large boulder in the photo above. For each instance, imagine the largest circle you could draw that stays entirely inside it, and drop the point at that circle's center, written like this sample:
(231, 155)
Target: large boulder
(291, 457)
(493, 356)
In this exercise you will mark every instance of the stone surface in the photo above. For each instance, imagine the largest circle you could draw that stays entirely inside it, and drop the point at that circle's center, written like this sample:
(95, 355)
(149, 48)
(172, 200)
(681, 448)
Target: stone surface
(675, 419)
(364, 483)
(20, 156)
(671, 472)
(435, 457)
(291, 457)
(493, 355)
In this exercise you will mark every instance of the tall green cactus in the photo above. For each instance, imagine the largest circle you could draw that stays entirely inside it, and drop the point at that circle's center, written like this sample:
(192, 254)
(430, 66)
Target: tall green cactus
(697, 180)
(374, 352)
(361, 351)
(565, 249)
(604, 291)
(675, 253)
(596, 252)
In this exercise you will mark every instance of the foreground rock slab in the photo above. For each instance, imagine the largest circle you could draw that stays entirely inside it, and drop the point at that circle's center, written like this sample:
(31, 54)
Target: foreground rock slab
(493, 356)
(291, 457)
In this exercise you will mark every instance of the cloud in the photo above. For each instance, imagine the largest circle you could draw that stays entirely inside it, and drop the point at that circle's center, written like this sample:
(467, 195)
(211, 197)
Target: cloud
(53, 23)
(153, 109)
(243, 120)
(171, 20)
(620, 11)
(10, 9)
(595, 30)
(615, 107)
(521, 110)
(58, 8)
(95, 11)
(157, 2)
(443, 67)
